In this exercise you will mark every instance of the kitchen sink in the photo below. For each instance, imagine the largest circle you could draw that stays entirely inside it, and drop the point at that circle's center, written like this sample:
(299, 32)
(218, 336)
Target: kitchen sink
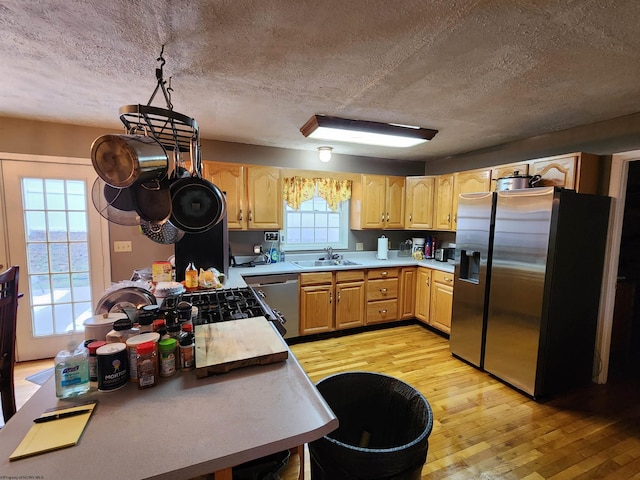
(324, 263)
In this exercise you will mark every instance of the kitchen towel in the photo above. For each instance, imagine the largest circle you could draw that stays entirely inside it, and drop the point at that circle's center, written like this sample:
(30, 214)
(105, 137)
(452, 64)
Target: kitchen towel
(383, 248)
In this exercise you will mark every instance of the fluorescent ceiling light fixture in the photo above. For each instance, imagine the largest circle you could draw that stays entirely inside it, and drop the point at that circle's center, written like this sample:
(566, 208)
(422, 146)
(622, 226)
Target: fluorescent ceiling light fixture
(324, 154)
(365, 132)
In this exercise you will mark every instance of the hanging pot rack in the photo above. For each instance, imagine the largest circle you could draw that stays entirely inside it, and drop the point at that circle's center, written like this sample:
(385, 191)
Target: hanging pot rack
(175, 131)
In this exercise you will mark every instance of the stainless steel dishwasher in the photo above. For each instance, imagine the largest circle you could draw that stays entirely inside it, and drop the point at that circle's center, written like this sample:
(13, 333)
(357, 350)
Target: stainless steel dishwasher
(280, 292)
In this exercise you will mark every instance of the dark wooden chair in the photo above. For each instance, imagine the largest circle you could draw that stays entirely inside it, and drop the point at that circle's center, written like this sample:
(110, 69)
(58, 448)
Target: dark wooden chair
(8, 318)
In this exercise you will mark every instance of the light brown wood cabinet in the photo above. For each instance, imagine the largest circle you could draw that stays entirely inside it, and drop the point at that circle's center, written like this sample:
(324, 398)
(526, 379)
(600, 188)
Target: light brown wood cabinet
(316, 302)
(350, 299)
(423, 294)
(377, 202)
(407, 293)
(331, 301)
(230, 178)
(441, 301)
(382, 295)
(264, 191)
(577, 171)
(444, 202)
(469, 182)
(419, 203)
(254, 194)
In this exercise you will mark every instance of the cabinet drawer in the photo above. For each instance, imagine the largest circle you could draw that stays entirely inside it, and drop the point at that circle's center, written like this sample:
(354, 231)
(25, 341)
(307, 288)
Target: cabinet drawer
(382, 311)
(315, 278)
(443, 277)
(350, 276)
(383, 273)
(382, 289)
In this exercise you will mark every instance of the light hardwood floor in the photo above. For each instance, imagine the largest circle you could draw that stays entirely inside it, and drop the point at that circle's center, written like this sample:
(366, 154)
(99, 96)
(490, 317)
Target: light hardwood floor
(483, 429)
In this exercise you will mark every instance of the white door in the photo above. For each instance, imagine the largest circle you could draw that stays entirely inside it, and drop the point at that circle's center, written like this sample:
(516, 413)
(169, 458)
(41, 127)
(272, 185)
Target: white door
(60, 243)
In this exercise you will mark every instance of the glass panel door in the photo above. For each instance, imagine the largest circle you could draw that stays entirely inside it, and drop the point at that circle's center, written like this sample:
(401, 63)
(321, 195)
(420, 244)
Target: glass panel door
(59, 241)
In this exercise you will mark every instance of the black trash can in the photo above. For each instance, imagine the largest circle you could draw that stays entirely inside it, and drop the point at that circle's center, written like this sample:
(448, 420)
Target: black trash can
(383, 433)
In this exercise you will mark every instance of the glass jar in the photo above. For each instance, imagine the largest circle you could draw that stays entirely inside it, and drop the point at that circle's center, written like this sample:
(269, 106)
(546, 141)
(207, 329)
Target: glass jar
(146, 365)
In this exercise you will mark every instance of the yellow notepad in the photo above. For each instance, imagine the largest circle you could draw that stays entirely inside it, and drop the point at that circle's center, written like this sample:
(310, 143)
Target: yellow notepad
(55, 434)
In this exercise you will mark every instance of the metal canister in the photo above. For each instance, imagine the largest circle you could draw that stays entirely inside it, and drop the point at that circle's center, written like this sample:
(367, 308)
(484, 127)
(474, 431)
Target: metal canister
(113, 363)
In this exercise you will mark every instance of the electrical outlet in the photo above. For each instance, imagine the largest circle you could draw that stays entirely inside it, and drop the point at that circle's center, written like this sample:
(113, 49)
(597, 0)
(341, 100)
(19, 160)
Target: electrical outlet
(271, 236)
(359, 246)
(122, 246)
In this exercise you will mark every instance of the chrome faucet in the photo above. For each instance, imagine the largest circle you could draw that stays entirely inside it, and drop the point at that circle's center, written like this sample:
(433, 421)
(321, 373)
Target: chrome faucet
(329, 251)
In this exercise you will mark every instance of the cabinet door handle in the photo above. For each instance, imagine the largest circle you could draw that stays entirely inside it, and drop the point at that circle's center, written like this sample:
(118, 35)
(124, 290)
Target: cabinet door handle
(250, 216)
(383, 274)
(382, 217)
(455, 217)
(383, 290)
(411, 217)
(387, 216)
(240, 215)
(338, 299)
(428, 282)
(382, 311)
(448, 279)
(448, 217)
(330, 297)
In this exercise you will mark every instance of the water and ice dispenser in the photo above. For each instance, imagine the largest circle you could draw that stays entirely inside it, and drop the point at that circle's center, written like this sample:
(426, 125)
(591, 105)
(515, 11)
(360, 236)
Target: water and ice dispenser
(470, 266)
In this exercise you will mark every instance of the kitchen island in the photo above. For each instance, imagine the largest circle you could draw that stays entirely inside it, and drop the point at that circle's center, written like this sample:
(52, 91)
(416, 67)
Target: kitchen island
(182, 428)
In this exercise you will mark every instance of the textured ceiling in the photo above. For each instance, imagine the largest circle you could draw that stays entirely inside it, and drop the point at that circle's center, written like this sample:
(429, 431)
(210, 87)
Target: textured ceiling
(482, 72)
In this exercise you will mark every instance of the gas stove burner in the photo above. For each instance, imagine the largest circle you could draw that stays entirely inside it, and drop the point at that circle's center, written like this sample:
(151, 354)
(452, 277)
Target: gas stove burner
(232, 297)
(239, 315)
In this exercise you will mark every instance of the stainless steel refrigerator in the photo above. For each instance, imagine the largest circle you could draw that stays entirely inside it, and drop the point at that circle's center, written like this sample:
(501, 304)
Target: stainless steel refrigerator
(528, 273)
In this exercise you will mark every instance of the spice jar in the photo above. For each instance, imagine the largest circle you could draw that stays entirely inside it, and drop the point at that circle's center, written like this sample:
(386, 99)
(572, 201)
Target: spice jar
(146, 364)
(187, 348)
(132, 349)
(123, 329)
(167, 350)
(93, 359)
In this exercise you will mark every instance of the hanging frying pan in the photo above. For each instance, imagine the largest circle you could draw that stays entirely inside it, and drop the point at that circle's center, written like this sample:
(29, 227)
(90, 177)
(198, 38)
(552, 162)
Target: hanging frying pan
(153, 200)
(197, 204)
(122, 160)
(114, 204)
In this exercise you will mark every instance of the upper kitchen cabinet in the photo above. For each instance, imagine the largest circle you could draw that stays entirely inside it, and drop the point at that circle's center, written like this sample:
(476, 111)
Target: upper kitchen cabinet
(229, 178)
(377, 202)
(507, 171)
(419, 204)
(470, 181)
(444, 202)
(577, 171)
(254, 194)
(264, 188)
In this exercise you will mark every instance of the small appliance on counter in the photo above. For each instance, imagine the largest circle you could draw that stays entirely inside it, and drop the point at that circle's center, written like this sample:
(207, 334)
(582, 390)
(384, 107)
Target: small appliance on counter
(444, 254)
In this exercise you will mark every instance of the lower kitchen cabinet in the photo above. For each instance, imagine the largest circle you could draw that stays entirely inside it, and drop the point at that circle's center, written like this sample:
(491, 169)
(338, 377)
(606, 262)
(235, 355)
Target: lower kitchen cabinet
(350, 299)
(441, 301)
(423, 294)
(382, 295)
(329, 302)
(316, 302)
(407, 293)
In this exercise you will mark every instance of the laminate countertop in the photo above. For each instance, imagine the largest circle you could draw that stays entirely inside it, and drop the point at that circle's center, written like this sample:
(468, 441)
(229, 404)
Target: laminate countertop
(181, 428)
(364, 260)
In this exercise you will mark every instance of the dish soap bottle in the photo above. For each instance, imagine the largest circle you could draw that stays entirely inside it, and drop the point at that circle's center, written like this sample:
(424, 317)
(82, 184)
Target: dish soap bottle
(72, 371)
(191, 277)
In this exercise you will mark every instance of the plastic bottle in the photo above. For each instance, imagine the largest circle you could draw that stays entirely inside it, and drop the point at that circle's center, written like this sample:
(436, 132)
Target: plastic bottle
(191, 277)
(167, 349)
(123, 329)
(72, 371)
(187, 347)
(93, 359)
(146, 364)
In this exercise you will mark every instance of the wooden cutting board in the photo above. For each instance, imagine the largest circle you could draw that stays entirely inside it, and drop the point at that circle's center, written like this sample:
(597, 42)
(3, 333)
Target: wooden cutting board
(223, 346)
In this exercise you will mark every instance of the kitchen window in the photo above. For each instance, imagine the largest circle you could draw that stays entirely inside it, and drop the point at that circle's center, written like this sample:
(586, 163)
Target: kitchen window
(321, 218)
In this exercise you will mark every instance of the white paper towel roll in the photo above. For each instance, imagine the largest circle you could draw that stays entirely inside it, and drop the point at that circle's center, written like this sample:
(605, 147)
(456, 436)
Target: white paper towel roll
(383, 248)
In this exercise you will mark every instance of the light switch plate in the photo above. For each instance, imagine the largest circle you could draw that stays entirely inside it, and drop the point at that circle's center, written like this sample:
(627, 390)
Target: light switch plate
(359, 246)
(122, 246)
